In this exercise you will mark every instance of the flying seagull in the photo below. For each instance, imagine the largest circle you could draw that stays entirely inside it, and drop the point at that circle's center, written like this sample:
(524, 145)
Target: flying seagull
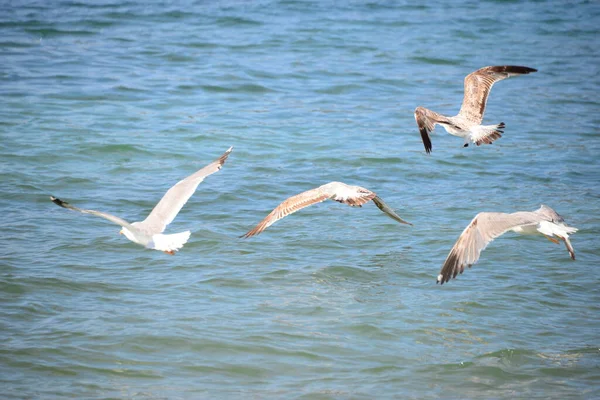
(354, 196)
(487, 226)
(467, 124)
(148, 232)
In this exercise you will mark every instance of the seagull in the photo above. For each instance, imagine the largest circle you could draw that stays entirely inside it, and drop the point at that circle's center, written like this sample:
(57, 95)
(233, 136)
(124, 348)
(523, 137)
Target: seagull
(148, 232)
(487, 226)
(467, 124)
(354, 196)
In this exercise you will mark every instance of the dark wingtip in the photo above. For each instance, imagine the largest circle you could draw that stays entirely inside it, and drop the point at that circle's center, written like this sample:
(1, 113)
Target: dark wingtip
(222, 159)
(248, 234)
(58, 201)
(426, 140)
(518, 69)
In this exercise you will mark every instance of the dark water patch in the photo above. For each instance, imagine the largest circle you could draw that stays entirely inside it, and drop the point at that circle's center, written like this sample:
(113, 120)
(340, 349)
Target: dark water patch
(178, 58)
(128, 149)
(54, 32)
(123, 39)
(275, 276)
(246, 88)
(435, 61)
(201, 45)
(228, 282)
(383, 369)
(98, 6)
(233, 370)
(32, 23)
(464, 34)
(235, 21)
(53, 284)
(340, 89)
(17, 45)
(509, 356)
(13, 288)
(391, 82)
(370, 330)
(344, 272)
(124, 88)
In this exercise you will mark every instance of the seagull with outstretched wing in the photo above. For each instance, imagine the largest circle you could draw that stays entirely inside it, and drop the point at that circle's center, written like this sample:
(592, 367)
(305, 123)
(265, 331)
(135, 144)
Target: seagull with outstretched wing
(467, 124)
(354, 196)
(148, 232)
(487, 226)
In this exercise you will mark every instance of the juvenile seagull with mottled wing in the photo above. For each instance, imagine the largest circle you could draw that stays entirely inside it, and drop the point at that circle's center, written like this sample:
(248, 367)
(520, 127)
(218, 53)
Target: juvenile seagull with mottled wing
(148, 232)
(354, 196)
(487, 226)
(467, 124)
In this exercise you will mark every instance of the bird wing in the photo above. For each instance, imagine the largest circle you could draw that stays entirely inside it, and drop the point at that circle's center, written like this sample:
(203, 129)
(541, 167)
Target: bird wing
(484, 228)
(289, 206)
(426, 125)
(386, 209)
(478, 85)
(109, 217)
(171, 203)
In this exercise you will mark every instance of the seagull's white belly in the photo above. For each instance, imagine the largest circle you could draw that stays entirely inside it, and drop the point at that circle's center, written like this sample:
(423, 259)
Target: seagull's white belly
(136, 237)
(526, 229)
(454, 131)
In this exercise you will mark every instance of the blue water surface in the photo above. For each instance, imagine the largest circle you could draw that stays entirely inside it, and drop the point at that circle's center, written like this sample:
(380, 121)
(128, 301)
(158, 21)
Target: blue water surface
(107, 104)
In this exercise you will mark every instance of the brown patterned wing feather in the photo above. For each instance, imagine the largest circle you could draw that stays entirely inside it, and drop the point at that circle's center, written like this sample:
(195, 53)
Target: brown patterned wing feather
(484, 228)
(478, 85)
(426, 126)
(288, 207)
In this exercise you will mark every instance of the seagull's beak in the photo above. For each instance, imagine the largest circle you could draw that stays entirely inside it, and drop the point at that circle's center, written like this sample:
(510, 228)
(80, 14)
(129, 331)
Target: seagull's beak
(121, 232)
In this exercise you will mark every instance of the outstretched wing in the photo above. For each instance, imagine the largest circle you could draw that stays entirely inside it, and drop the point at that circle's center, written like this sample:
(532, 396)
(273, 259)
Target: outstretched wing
(169, 206)
(289, 206)
(484, 228)
(426, 125)
(386, 209)
(478, 85)
(109, 217)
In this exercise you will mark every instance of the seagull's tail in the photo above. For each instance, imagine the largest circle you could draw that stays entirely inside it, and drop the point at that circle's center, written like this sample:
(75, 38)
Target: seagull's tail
(486, 134)
(170, 243)
(560, 230)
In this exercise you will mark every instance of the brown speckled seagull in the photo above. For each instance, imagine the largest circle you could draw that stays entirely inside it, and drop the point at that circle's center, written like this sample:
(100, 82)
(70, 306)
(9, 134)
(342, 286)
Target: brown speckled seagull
(354, 196)
(467, 124)
(148, 232)
(487, 226)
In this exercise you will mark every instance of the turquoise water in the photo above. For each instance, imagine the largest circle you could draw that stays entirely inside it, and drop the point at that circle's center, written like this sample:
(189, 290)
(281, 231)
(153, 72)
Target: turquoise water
(108, 104)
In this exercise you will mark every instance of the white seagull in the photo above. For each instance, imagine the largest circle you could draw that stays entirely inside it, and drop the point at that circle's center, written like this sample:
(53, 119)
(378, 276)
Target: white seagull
(354, 196)
(148, 232)
(487, 226)
(467, 124)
